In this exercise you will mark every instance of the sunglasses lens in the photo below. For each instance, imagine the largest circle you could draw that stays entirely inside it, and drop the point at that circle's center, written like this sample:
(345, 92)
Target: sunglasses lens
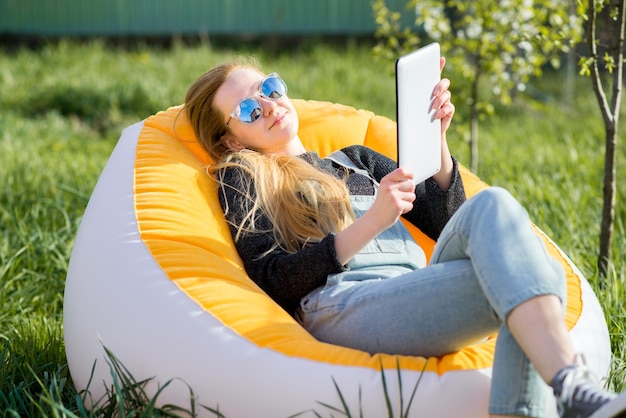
(273, 87)
(249, 110)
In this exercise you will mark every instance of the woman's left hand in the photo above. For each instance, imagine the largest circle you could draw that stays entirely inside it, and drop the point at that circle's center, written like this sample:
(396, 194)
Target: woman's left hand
(444, 110)
(441, 104)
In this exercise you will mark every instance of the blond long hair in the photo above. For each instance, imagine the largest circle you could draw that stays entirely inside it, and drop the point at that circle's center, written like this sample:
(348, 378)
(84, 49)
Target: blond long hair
(303, 203)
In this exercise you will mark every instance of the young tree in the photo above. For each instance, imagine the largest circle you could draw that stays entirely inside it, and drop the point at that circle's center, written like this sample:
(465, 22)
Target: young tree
(496, 44)
(612, 43)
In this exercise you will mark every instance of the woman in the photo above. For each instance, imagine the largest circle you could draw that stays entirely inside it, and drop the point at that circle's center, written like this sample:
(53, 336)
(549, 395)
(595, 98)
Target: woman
(322, 237)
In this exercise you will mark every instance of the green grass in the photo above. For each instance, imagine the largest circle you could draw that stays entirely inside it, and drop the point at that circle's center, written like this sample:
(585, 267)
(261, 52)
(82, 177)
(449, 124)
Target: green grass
(63, 106)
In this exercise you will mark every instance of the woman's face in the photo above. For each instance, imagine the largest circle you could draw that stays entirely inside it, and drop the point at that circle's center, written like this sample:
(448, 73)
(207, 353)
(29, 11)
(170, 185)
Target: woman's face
(276, 129)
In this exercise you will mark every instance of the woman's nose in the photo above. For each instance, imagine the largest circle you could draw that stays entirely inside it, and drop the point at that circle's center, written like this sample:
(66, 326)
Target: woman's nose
(268, 106)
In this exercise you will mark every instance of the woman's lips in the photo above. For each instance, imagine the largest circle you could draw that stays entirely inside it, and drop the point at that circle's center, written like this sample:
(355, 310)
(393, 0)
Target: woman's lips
(278, 120)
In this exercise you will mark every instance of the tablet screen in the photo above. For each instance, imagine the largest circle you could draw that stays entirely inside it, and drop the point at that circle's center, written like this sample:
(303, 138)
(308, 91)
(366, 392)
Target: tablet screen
(419, 134)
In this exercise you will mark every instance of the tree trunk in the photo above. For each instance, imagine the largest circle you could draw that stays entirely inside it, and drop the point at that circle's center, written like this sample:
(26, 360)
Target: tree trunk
(610, 115)
(473, 115)
(608, 205)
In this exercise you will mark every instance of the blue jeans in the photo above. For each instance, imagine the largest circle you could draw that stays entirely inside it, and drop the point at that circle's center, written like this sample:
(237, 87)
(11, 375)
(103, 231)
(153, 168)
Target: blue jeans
(487, 261)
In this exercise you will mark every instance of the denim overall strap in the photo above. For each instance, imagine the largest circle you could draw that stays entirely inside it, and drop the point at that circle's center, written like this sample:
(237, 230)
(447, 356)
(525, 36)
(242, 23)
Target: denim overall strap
(339, 157)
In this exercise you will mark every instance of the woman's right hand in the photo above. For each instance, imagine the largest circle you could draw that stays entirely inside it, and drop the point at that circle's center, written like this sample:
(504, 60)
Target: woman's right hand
(395, 197)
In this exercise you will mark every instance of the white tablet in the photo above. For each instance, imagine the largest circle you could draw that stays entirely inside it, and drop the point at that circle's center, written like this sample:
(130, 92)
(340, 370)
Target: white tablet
(419, 134)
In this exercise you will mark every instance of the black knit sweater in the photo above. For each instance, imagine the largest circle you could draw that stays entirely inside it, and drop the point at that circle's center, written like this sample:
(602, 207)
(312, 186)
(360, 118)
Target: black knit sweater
(288, 277)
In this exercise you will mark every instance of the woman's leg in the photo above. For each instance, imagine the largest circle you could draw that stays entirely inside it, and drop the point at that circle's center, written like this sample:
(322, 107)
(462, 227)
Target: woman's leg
(488, 260)
(517, 274)
(489, 267)
(548, 346)
(428, 312)
(494, 232)
(537, 327)
(578, 393)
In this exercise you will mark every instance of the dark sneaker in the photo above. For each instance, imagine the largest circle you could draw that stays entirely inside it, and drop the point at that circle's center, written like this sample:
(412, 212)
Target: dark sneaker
(613, 409)
(578, 395)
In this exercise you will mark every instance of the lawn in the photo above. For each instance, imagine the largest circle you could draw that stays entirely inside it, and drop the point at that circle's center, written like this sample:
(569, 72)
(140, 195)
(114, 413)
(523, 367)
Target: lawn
(63, 106)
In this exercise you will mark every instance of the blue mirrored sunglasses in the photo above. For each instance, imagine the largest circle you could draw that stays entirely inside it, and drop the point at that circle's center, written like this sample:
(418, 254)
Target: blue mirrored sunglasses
(249, 109)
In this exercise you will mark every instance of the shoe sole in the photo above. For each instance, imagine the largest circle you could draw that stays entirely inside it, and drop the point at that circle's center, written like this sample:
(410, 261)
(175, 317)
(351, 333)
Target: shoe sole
(613, 409)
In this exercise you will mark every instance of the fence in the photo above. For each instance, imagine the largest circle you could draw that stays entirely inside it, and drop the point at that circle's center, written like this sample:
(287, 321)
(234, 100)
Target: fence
(190, 17)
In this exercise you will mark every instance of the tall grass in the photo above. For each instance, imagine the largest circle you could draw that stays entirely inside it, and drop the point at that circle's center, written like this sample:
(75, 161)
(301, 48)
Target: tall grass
(63, 106)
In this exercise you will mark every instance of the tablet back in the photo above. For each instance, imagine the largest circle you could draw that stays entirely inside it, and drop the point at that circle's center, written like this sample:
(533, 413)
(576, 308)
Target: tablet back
(419, 134)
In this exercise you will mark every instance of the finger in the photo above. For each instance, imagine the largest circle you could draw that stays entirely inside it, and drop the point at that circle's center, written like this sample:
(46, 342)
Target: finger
(446, 111)
(399, 174)
(442, 63)
(442, 85)
(441, 100)
(404, 188)
(446, 120)
(406, 206)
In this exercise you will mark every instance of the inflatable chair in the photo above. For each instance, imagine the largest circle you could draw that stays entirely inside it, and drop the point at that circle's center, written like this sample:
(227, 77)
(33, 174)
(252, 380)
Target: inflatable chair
(154, 277)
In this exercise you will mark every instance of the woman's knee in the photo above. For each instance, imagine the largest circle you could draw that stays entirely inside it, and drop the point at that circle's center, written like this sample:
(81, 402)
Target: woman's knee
(496, 194)
(498, 201)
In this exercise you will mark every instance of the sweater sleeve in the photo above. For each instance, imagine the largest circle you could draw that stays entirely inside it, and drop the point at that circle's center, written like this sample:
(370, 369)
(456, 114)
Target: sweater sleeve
(285, 277)
(433, 206)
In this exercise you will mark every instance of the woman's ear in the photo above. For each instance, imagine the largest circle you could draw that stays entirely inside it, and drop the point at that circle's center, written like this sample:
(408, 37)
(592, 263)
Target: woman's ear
(232, 143)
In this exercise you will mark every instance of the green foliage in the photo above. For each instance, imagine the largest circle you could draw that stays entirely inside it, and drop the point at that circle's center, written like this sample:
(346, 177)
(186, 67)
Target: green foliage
(507, 41)
(32, 366)
(606, 60)
(394, 40)
(495, 47)
(99, 106)
(51, 160)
